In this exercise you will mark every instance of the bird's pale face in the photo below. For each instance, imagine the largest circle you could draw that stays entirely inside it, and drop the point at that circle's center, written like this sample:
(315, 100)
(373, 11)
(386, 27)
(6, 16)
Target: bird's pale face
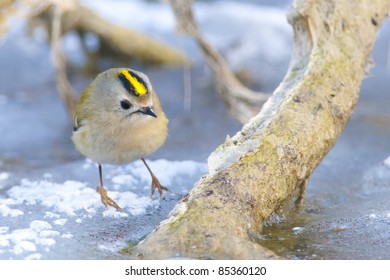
(129, 96)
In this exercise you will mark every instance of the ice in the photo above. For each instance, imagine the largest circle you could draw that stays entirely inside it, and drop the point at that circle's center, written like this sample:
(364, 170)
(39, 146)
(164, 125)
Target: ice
(44, 215)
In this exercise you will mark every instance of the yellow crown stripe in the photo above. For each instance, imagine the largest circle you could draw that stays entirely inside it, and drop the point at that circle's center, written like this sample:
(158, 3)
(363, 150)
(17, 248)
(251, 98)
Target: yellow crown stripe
(138, 86)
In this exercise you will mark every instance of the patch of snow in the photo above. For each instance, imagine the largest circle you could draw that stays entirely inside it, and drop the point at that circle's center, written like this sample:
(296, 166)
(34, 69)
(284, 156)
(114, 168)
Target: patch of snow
(4, 176)
(60, 222)
(24, 245)
(48, 204)
(49, 233)
(387, 161)
(298, 230)
(40, 225)
(52, 215)
(6, 211)
(35, 256)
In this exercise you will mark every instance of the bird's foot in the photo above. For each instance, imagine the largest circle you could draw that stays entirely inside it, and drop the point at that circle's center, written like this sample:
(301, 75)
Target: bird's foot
(156, 185)
(106, 200)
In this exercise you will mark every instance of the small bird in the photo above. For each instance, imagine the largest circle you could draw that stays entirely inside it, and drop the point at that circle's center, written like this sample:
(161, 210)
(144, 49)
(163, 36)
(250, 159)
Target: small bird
(118, 120)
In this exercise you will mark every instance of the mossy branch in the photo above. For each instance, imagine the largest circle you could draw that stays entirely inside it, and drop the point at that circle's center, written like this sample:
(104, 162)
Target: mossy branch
(264, 168)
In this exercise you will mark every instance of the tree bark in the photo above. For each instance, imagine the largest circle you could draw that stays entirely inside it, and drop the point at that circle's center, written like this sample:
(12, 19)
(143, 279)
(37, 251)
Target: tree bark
(263, 169)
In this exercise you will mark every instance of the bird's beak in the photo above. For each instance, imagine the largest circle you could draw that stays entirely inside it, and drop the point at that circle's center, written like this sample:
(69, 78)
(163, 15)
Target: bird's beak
(148, 111)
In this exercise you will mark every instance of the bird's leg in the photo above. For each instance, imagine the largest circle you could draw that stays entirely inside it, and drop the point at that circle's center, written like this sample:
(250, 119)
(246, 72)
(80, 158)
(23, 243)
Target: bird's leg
(155, 183)
(106, 200)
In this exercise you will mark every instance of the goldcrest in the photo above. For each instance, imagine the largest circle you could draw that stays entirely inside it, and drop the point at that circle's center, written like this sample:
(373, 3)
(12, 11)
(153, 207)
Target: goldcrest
(118, 120)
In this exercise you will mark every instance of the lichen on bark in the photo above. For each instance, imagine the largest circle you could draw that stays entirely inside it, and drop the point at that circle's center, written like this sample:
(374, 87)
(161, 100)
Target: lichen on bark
(276, 151)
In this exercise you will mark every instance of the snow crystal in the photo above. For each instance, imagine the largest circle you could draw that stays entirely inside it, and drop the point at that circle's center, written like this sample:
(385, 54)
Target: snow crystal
(49, 214)
(19, 235)
(6, 211)
(64, 198)
(387, 161)
(35, 256)
(298, 230)
(46, 241)
(49, 233)
(67, 235)
(60, 222)
(39, 225)
(24, 246)
(4, 242)
(4, 229)
(4, 176)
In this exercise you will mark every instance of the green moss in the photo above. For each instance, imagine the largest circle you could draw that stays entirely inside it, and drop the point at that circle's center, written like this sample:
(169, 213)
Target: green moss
(292, 75)
(129, 249)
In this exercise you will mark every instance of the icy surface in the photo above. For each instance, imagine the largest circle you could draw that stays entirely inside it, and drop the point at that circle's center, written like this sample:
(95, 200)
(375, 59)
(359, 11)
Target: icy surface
(47, 218)
(48, 205)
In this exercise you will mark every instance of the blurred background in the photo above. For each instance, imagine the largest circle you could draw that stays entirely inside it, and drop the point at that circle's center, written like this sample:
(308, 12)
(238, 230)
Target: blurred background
(346, 213)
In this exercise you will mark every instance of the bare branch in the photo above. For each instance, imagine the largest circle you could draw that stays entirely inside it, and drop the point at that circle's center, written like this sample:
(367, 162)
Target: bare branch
(242, 102)
(66, 90)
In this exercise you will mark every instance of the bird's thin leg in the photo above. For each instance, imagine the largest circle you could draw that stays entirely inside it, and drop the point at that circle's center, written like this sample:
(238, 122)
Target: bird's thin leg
(106, 200)
(155, 183)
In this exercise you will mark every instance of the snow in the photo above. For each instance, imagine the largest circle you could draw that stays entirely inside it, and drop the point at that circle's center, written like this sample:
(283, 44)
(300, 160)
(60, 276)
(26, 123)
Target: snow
(38, 215)
(60, 222)
(387, 161)
(6, 211)
(3, 178)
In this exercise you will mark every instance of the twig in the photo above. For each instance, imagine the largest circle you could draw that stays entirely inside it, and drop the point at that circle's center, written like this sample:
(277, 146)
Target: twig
(66, 90)
(242, 102)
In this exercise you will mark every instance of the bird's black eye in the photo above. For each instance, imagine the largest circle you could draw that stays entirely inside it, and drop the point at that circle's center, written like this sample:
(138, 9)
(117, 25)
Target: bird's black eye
(125, 104)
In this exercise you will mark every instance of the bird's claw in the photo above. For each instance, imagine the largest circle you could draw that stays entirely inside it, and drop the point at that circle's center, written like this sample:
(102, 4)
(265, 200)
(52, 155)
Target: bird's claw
(106, 200)
(156, 185)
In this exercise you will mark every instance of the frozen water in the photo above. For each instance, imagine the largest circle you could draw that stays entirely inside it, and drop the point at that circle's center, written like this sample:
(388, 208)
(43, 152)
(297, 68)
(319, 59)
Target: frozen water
(48, 205)
(48, 217)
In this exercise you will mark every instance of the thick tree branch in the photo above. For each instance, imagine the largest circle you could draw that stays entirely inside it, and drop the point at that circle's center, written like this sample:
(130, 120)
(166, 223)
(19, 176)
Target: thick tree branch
(264, 167)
